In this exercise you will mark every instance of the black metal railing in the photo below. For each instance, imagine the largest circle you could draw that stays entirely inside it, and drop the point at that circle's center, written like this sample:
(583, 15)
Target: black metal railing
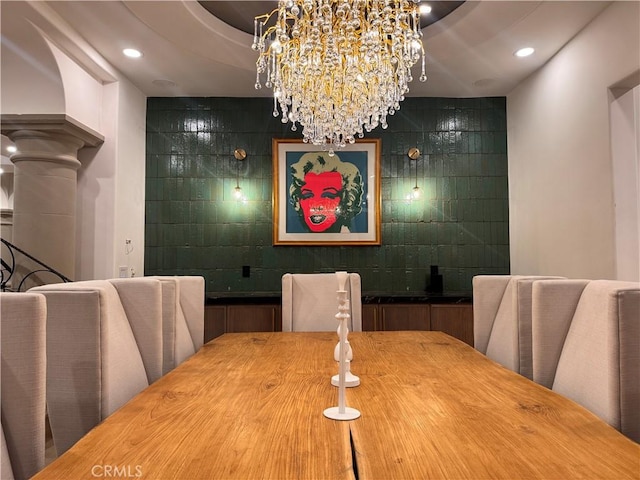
(18, 269)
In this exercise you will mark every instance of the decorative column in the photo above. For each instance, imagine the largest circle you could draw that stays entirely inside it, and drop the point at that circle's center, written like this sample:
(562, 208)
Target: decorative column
(45, 185)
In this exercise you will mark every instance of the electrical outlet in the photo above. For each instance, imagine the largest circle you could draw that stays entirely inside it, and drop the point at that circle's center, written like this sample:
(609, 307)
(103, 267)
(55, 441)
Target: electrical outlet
(122, 271)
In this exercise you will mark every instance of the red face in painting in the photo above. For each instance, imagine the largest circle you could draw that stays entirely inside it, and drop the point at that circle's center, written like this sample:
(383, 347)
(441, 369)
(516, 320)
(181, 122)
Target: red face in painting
(319, 199)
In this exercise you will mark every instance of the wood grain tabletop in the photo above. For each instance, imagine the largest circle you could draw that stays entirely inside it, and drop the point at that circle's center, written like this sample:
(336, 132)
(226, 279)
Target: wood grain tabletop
(433, 407)
(246, 406)
(249, 406)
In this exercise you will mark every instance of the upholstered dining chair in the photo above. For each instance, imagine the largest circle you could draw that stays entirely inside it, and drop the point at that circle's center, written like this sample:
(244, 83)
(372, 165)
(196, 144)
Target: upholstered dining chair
(586, 346)
(141, 298)
(23, 383)
(183, 298)
(94, 365)
(309, 302)
(502, 319)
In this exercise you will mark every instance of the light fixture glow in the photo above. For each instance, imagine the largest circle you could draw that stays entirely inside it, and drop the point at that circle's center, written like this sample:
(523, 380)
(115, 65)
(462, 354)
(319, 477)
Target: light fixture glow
(524, 52)
(338, 68)
(239, 154)
(132, 53)
(425, 9)
(12, 149)
(414, 155)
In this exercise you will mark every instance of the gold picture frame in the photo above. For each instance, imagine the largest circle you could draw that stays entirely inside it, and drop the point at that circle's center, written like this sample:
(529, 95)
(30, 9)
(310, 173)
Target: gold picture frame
(324, 199)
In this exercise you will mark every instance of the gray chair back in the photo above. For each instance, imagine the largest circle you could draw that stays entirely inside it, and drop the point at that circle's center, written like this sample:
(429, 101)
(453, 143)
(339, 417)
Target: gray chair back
(183, 299)
(141, 299)
(586, 346)
(309, 302)
(502, 319)
(22, 384)
(94, 365)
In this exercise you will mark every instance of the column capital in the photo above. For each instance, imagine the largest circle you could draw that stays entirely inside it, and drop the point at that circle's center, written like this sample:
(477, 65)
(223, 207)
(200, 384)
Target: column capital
(53, 124)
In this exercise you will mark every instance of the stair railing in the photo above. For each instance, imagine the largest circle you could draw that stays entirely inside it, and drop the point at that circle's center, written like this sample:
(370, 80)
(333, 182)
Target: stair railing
(9, 269)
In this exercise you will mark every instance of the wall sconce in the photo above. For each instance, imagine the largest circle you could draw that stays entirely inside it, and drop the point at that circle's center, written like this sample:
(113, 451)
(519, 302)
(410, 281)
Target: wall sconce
(414, 154)
(239, 154)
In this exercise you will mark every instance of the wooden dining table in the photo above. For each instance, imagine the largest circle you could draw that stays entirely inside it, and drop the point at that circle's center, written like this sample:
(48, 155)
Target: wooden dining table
(250, 406)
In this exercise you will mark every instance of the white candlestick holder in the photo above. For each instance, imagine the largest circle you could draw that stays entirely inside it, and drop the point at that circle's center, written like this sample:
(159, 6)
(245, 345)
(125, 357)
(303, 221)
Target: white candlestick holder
(350, 379)
(342, 412)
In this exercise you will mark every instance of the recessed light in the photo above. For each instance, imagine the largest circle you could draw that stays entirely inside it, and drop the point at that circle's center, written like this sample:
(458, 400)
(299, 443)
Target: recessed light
(132, 53)
(12, 149)
(524, 52)
(424, 9)
(1, 171)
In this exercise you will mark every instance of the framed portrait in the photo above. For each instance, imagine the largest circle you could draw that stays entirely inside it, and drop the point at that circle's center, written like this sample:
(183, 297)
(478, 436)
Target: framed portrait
(323, 199)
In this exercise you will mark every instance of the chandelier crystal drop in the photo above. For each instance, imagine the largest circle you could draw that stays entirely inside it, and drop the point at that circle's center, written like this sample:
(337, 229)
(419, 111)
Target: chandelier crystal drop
(338, 67)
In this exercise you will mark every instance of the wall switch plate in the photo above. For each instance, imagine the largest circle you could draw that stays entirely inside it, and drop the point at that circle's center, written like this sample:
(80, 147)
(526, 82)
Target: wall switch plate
(122, 271)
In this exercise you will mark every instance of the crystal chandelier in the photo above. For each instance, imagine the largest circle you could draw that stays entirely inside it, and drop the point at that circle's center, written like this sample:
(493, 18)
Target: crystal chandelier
(338, 67)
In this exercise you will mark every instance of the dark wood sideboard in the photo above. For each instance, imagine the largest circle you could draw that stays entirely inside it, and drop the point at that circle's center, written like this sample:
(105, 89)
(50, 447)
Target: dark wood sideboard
(452, 314)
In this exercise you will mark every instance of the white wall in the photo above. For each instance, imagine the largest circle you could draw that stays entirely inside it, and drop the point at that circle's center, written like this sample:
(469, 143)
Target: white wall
(96, 197)
(130, 184)
(83, 93)
(560, 166)
(111, 186)
(625, 146)
(29, 75)
(40, 76)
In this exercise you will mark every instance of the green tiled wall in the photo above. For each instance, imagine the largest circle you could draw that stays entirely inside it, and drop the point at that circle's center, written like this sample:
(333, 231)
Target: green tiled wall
(194, 226)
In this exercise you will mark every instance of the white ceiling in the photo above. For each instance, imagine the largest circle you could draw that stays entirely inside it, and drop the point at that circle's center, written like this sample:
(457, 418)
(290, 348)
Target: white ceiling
(188, 52)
